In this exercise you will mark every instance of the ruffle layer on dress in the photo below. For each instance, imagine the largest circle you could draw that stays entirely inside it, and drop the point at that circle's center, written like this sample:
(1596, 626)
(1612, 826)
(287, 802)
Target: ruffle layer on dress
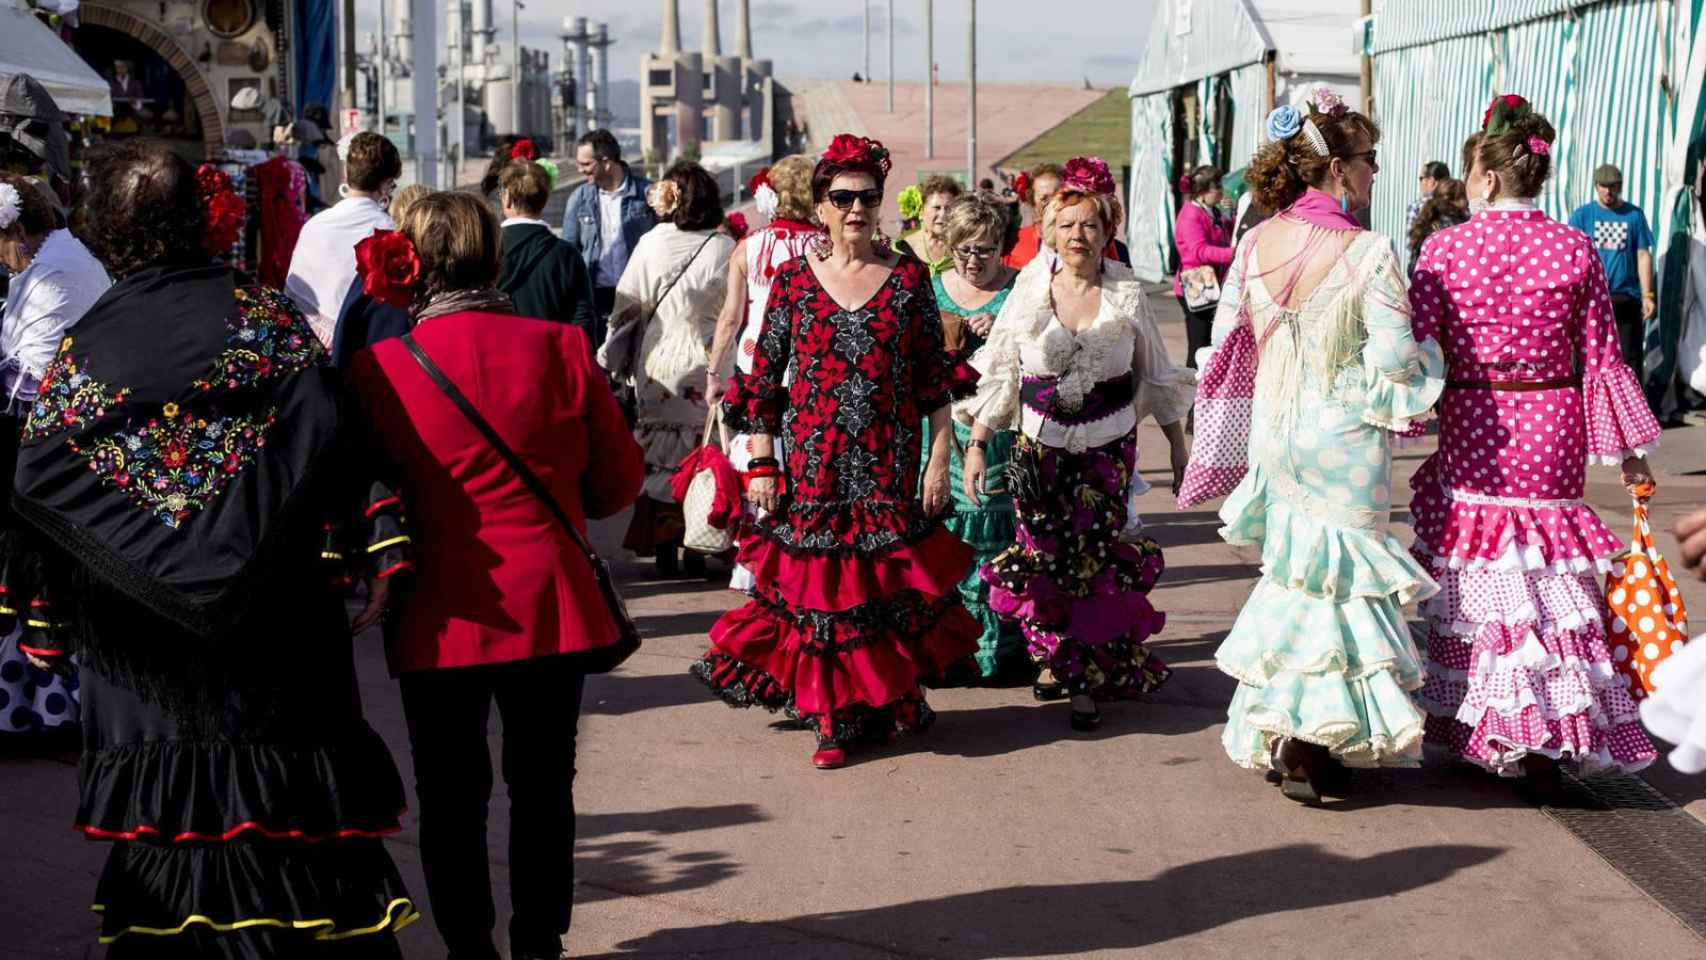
(1331, 672)
(1313, 556)
(1676, 709)
(1473, 536)
(1518, 665)
(327, 891)
(176, 791)
(1400, 400)
(767, 654)
(837, 580)
(1620, 424)
(1109, 611)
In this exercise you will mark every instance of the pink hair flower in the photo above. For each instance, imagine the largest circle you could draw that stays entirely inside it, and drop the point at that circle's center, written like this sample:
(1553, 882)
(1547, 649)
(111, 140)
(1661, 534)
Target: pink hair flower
(1539, 147)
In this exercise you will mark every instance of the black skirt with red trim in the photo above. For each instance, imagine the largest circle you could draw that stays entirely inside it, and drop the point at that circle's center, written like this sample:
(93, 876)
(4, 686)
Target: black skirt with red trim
(244, 795)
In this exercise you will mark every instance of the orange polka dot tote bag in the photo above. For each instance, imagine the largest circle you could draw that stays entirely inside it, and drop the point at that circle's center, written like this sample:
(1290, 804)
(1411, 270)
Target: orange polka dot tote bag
(1648, 619)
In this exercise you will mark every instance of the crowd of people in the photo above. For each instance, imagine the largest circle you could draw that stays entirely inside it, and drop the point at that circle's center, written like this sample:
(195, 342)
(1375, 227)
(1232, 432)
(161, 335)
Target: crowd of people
(935, 443)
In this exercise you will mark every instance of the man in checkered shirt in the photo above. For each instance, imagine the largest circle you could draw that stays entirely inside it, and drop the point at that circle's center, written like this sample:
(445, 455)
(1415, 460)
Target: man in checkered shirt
(1625, 243)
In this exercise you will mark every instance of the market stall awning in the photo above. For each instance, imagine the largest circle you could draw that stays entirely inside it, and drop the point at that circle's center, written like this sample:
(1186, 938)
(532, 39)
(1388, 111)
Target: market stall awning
(28, 46)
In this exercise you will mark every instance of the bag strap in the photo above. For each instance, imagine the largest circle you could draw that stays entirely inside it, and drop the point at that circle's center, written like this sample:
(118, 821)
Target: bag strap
(530, 479)
(634, 354)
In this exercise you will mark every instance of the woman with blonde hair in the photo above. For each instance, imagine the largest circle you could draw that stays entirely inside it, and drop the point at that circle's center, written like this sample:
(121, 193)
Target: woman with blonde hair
(1321, 651)
(970, 297)
(666, 313)
(783, 193)
(1072, 365)
(506, 607)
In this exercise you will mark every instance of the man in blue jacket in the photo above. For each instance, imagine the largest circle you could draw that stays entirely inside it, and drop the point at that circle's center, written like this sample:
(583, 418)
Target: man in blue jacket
(606, 217)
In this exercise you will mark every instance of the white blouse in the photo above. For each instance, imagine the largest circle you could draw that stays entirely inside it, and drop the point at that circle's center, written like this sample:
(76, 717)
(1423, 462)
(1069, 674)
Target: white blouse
(46, 299)
(1028, 339)
(323, 266)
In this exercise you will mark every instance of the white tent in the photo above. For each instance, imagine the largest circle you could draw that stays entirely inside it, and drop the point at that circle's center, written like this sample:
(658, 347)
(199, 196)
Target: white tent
(28, 46)
(1219, 65)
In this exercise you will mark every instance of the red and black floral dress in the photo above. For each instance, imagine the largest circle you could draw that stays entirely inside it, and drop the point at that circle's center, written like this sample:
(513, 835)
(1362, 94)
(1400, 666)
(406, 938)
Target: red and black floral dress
(855, 598)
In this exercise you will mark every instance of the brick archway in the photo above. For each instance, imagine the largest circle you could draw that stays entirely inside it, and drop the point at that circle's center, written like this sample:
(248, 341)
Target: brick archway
(206, 107)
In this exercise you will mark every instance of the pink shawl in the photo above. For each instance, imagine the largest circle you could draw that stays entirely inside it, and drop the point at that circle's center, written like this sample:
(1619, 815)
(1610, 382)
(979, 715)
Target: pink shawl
(1226, 389)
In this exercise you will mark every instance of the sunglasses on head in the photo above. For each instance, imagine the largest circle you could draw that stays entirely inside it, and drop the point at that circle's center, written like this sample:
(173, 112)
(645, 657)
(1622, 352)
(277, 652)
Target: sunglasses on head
(843, 199)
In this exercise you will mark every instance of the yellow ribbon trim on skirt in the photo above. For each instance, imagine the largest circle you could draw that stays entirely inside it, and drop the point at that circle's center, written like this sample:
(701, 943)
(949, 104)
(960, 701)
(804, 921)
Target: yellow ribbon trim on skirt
(393, 918)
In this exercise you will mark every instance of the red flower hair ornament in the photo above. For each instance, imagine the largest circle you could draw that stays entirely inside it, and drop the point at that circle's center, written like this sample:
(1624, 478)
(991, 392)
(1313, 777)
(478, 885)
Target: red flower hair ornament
(859, 153)
(759, 179)
(1022, 186)
(524, 150)
(1088, 175)
(225, 210)
(1502, 112)
(389, 267)
(736, 222)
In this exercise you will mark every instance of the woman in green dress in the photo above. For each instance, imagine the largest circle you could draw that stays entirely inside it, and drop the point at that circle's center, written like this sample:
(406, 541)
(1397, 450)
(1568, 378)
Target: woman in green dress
(970, 294)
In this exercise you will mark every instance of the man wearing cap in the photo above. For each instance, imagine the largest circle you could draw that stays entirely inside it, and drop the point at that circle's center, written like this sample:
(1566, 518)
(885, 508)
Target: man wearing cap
(1620, 233)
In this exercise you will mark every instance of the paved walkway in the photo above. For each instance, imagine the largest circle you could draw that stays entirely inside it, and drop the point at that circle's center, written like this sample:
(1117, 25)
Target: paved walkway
(704, 833)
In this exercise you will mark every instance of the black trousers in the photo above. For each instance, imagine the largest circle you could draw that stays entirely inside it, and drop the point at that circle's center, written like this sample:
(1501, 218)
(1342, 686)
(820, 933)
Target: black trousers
(539, 701)
(1631, 333)
(603, 304)
(1199, 330)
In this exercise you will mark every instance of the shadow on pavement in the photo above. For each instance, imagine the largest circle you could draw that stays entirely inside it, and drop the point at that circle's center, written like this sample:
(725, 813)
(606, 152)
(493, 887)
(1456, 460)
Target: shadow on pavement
(1190, 529)
(655, 625)
(638, 584)
(616, 694)
(1069, 919)
(1205, 573)
(668, 821)
(996, 731)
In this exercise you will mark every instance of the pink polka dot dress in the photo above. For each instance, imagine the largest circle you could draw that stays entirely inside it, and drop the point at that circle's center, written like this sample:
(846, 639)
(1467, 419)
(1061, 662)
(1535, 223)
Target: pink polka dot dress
(1517, 657)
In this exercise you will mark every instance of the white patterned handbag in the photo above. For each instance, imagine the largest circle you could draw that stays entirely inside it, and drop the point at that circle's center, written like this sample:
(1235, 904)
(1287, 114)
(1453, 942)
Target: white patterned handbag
(698, 534)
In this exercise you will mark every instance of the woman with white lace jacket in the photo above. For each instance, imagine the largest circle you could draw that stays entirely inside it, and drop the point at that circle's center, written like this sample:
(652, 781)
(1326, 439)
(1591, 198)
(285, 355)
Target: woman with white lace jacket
(1073, 362)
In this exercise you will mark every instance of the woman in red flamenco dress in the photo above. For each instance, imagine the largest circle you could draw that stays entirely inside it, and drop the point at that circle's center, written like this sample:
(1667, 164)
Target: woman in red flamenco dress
(855, 599)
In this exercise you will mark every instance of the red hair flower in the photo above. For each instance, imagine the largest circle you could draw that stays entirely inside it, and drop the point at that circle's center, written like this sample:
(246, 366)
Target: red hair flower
(225, 210)
(389, 267)
(1510, 101)
(859, 153)
(1088, 175)
(736, 222)
(1022, 186)
(524, 150)
(759, 179)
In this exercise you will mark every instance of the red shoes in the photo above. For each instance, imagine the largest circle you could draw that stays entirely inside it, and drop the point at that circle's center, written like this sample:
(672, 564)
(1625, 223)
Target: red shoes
(829, 758)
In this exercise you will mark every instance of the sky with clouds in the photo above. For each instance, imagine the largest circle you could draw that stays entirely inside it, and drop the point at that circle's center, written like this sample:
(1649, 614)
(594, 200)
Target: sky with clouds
(1019, 41)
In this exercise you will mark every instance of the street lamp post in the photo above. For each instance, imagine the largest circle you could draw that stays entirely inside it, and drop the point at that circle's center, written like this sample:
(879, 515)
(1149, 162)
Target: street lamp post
(890, 5)
(971, 100)
(515, 72)
(929, 79)
(867, 73)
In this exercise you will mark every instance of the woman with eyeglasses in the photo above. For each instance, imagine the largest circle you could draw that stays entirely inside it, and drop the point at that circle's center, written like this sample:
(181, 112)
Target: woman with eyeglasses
(1073, 364)
(855, 597)
(1321, 651)
(970, 296)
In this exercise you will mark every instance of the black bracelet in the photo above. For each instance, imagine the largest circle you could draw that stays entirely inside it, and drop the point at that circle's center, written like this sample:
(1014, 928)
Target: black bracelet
(977, 444)
(763, 462)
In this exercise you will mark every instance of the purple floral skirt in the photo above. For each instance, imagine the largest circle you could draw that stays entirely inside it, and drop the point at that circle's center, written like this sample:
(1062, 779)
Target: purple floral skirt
(1076, 589)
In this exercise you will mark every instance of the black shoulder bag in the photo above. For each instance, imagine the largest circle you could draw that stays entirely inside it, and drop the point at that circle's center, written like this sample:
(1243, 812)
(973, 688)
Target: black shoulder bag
(628, 635)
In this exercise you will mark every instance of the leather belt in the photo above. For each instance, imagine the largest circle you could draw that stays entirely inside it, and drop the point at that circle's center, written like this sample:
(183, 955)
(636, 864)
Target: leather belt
(1514, 386)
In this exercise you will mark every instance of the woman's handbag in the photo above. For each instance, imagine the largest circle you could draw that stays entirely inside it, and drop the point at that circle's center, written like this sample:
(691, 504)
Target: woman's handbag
(1648, 619)
(1201, 287)
(627, 634)
(699, 502)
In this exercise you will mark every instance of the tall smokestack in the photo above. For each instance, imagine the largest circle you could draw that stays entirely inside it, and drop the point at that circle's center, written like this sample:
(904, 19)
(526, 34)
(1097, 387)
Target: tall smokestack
(671, 28)
(743, 29)
(713, 31)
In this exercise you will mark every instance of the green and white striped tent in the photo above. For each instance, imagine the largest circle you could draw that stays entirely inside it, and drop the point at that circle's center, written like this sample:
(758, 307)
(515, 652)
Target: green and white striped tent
(1612, 76)
(1222, 49)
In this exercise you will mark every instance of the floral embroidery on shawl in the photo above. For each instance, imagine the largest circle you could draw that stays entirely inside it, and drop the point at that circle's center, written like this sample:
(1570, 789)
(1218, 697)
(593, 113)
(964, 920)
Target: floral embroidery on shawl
(176, 463)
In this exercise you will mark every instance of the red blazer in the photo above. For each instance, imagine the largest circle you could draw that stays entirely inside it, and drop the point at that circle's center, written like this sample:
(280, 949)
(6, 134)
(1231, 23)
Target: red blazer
(497, 579)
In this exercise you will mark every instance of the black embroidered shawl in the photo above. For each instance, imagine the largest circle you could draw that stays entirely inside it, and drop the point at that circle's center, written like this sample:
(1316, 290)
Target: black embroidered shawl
(184, 440)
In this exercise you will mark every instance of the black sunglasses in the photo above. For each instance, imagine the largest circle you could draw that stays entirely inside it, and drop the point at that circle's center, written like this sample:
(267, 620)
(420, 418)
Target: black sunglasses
(843, 199)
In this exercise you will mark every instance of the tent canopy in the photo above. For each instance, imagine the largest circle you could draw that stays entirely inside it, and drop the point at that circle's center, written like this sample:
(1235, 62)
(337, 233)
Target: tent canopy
(1192, 39)
(28, 46)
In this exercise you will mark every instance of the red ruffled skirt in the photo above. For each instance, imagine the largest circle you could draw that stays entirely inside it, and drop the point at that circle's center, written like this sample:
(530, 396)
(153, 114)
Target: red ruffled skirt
(833, 636)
